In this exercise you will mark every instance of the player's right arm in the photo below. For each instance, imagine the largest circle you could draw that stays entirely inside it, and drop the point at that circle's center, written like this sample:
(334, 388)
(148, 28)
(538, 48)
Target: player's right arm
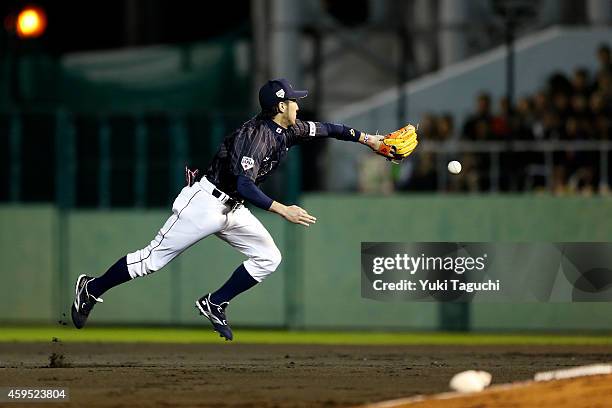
(293, 213)
(250, 192)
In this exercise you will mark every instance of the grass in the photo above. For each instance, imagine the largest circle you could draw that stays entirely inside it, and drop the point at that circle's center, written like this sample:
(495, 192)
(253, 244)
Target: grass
(194, 335)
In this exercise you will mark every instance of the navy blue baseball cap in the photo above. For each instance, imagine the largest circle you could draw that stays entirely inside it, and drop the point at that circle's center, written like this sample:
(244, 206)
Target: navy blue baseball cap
(277, 90)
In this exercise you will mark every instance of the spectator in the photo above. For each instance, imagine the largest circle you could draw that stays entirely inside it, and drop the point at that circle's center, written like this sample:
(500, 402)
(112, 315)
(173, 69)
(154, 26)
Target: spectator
(582, 181)
(580, 106)
(597, 105)
(581, 114)
(445, 127)
(604, 59)
(528, 164)
(427, 127)
(551, 126)
(602, 127)
(541, 103)
(573, 130)
(559, 180)
(570, 109)
(580, 83)
(577, 165)
(525, 119)
(477, 126)
(502, 123)
(604, 86)
(424, 177)
(559, 83)
(561, 105)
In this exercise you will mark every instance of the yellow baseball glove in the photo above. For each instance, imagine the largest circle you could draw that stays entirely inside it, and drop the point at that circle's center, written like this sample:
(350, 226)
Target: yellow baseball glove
(398, 145)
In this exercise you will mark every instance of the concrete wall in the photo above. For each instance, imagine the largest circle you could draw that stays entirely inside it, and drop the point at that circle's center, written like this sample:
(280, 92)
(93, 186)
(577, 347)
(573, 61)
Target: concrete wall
(318, 283)
(44, 250)
(331, 265)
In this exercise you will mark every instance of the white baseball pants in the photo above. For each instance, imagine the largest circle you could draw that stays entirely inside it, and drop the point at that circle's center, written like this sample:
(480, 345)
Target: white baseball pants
(196, 214)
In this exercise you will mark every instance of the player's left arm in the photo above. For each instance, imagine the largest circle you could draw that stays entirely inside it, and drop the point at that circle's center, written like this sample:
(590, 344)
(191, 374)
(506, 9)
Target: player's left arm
(394, 146)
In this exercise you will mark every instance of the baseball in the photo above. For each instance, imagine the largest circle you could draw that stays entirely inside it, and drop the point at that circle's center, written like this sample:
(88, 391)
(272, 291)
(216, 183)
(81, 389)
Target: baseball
(470, 381)
(454, 167)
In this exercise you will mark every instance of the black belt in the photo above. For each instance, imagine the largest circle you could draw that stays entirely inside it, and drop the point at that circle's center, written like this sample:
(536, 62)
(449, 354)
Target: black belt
(192, 176)
(231, 202)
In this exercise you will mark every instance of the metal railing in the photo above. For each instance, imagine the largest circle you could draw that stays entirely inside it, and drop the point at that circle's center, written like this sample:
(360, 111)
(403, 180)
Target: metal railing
(446, 151)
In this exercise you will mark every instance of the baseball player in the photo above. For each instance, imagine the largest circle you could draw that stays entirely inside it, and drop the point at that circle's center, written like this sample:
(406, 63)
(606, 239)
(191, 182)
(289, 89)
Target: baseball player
(213, 203)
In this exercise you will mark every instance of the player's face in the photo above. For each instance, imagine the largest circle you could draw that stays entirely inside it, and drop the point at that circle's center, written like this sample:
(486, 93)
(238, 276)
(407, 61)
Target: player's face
(292, 108)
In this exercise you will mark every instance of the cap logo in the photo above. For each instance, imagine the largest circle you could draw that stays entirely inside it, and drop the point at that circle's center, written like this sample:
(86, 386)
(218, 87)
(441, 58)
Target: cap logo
(280, 93)
(247, 163)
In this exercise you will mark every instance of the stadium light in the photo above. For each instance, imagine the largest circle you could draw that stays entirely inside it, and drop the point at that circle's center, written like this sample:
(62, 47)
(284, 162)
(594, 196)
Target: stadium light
(31, 22)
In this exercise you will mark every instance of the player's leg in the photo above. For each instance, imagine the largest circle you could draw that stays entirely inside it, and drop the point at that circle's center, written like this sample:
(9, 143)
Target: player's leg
(195, 215)
(245, 233)
(248, 235)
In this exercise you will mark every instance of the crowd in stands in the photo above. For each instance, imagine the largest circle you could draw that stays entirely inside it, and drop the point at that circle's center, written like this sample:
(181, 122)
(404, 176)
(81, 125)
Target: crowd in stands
(568, 108)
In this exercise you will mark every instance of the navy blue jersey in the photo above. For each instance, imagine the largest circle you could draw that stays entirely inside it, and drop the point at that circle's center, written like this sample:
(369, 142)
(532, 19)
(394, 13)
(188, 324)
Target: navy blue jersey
(256, 149)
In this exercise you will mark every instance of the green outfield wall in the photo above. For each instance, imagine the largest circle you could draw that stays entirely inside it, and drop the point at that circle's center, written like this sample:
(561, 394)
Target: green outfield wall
(318, 283)
(331, 264)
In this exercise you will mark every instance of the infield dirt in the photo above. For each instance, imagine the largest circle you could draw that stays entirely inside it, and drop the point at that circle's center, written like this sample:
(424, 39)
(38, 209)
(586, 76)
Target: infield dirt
(241, 375)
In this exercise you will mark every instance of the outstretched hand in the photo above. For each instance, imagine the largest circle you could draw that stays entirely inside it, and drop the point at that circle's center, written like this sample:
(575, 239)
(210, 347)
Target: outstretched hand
(298, 215)
(293, 213)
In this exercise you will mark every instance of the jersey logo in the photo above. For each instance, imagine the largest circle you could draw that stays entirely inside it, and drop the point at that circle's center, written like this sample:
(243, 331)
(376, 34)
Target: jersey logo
(280, 93)
(279, 130)
(247, 163)
(312, 129)
(352, 132)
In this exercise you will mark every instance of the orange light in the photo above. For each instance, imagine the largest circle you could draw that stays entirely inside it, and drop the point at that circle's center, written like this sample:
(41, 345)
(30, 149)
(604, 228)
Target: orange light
(31, 22)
